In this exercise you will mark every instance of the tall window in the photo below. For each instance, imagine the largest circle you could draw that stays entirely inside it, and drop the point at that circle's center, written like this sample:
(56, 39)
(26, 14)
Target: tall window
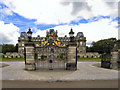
(77, 44)
(22, 49)
(29, 56)
(80, 43)
(22, 43)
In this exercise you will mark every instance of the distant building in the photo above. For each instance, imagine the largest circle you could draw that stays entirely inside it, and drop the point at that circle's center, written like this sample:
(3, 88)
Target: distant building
(38, 41)
(42, 42)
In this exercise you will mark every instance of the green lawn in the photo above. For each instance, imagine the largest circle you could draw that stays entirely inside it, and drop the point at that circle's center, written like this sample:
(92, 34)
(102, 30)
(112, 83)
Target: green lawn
(79, 59)
(12, 59)
(89, 59)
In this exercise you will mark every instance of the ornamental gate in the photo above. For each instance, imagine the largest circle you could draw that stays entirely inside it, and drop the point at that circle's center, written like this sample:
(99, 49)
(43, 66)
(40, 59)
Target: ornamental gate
(52, 61)
(50, 54)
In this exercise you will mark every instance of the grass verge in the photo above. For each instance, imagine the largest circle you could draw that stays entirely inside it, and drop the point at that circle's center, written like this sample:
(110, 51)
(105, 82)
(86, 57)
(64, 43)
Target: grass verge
(12, 59)
(79, 59)
(89, 59)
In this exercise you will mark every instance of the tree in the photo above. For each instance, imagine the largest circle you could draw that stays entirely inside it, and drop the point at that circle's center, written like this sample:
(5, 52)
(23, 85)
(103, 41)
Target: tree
(9, 48)
(102, 46)
(16, 48)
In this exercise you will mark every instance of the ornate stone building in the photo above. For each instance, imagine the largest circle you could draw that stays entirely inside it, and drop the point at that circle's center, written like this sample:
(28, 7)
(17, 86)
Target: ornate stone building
(42, 42)
(38, 41)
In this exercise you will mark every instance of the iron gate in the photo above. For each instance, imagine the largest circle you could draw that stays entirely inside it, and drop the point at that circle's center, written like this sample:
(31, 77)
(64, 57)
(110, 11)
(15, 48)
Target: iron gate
(54, 50)
(55, 64)
(51, 61)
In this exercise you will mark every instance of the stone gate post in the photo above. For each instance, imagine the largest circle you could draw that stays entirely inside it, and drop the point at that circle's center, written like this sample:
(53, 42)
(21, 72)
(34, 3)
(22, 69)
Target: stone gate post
(71, 56)
(118, 59)
(29, 56)
(114, 60)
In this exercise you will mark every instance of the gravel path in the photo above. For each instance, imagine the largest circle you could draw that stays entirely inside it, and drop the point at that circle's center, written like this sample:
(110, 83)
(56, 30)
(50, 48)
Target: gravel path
(86, 71)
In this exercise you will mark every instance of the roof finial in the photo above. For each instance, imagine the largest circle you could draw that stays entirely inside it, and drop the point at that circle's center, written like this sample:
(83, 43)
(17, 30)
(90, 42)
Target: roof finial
(71, 31)
(29, 29)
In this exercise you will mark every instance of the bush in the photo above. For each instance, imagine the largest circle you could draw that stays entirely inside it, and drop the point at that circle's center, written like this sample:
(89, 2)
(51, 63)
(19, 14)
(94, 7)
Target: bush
(78, 56)
(2, 56)
(43, 56)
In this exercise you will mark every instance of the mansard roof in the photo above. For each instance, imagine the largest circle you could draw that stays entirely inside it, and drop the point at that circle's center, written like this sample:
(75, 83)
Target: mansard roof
(80, 34)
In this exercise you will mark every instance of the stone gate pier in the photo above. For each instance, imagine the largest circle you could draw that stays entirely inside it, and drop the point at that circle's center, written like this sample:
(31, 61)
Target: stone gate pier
(29, 56)
(115, 56)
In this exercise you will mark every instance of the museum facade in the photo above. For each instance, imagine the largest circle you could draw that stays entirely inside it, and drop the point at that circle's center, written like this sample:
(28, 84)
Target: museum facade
(41, 42)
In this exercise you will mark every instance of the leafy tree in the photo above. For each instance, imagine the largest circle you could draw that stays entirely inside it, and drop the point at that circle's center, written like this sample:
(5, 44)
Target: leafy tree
(9, 48)
(16, 48)
(102, 46)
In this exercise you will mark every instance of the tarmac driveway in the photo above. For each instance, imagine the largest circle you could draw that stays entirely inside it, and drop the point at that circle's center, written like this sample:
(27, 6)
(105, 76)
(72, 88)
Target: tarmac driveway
(86, 71)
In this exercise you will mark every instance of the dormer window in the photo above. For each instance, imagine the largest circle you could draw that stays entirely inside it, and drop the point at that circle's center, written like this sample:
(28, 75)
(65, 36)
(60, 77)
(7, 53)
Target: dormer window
(80, 34)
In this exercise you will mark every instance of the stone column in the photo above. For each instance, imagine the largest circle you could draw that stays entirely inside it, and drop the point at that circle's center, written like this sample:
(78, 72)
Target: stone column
(71, 56)
(114, 60)
(118, 59)
(29, 57)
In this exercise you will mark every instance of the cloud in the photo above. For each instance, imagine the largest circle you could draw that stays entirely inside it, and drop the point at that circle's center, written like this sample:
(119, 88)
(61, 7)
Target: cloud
(5, 10)
(61, 15)
(42, 33)
(57, 12)
(79, 6)
(52, 13)
(119, 9)
(8, 33)
(93, 31)
(90, 8)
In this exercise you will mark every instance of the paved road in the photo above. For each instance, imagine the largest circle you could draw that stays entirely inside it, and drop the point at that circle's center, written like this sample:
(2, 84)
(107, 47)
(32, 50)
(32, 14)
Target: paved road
(58, 84)
(86, 71)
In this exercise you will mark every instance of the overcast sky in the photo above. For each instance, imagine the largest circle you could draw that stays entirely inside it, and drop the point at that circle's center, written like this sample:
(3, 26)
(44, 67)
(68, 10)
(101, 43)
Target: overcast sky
(97, 19)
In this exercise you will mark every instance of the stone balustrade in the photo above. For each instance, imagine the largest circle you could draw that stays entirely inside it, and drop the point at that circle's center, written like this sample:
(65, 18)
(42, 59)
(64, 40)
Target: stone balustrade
(13, 55)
